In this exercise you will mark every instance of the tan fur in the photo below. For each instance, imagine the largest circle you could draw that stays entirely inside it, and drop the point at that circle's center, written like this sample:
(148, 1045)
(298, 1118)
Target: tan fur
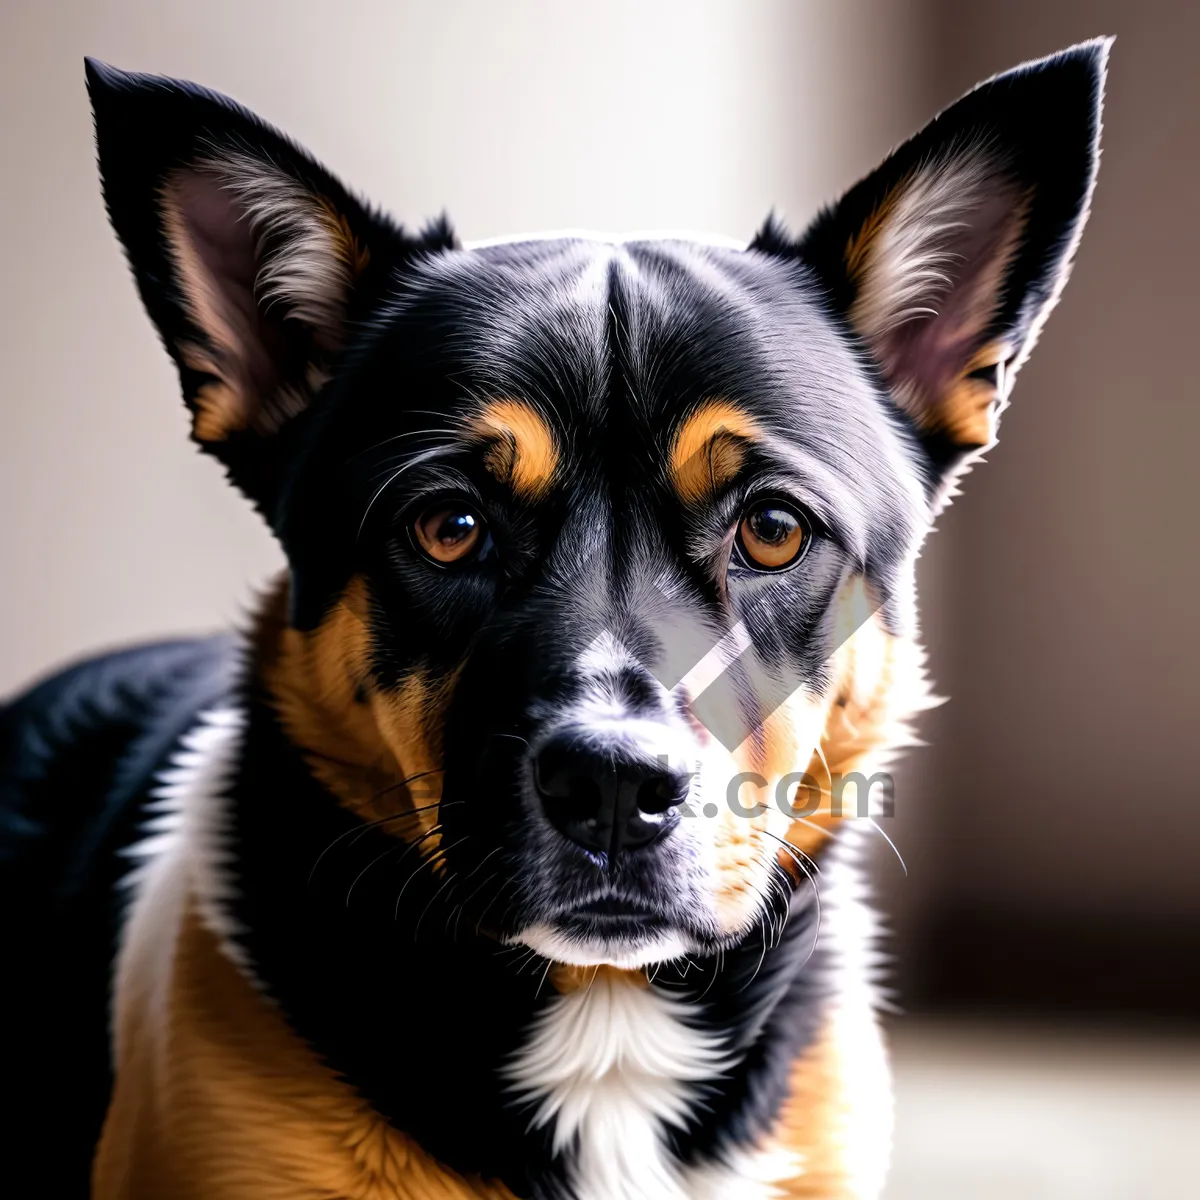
(521, 447)
(221, 408)
(878, 686)
(567, 977)
(347, 247)
(860, 243)
(969, 407)
(359, 740)
(836, 1117)
(217, 1099)
(707, 452)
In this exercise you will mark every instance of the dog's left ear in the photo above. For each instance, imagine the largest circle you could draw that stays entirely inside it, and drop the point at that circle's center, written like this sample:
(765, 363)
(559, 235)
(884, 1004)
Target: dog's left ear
(253, 261)
(946, 260)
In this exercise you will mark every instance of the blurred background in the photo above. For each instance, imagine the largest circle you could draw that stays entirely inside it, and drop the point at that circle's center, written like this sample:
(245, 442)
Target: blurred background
(1048, 928)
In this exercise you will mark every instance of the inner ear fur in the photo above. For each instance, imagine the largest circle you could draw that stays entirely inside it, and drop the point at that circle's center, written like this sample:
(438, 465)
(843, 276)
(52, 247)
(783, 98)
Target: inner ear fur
(945, 261)
(266, 270)
(252, 260)
(928, 269)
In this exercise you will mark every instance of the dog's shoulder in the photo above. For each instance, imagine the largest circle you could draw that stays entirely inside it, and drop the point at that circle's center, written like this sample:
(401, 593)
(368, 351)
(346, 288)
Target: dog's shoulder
(79, 755)
(78, 750)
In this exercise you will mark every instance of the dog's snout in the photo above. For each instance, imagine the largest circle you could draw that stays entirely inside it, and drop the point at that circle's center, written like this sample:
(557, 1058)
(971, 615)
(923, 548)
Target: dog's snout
(607, 796)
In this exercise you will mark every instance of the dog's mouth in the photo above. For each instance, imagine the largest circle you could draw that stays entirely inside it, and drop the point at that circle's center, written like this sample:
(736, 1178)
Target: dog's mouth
(620, 931)
(616, 907)
(612, 916)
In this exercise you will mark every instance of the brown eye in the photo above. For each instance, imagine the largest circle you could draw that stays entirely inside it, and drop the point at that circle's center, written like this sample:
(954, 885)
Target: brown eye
(448, 533)
(772, 536)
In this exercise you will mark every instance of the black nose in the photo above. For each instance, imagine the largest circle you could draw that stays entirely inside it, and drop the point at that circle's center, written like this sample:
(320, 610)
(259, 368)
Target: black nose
(607, 796)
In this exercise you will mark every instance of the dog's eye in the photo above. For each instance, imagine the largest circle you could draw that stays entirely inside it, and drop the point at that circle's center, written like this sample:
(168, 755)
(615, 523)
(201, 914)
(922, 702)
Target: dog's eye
(449, 532)
(772, 535)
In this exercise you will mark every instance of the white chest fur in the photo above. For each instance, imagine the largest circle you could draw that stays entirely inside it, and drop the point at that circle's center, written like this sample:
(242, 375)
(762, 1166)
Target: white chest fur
(611, 1067)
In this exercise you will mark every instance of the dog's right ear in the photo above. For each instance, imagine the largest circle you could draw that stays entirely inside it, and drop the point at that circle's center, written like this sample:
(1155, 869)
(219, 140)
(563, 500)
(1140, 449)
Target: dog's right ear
(251, 259)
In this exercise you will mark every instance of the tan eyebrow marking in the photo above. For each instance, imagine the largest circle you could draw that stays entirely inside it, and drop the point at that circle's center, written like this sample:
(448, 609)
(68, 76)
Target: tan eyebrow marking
(708, 449)
(522, 450)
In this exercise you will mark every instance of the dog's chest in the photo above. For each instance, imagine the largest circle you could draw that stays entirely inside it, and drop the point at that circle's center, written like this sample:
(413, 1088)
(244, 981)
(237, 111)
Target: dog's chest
(610, 1068)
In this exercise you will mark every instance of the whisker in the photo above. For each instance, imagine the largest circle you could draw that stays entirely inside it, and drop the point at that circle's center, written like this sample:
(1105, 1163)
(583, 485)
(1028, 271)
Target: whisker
(761, 960)
(794, 851)
(718, 962)
(819, 750)
(398, 437)
(409, 847)
(430, 412)
(499, 892)
(482, 862)
(515, 737)
(391, 787)
(820, 917)
(432, 899)
(415, 461)
(798, 856)
(524, 960)
(463, 905)
(359, 830)
(433, 858)
(783, 891)
(378, 858)
(879, 828)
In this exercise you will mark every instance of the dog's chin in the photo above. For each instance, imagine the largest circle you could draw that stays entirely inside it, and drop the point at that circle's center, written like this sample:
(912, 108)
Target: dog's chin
(581, 947)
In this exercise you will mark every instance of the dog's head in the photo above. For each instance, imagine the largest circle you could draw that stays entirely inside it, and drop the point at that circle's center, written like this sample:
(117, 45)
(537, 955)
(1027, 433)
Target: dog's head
(607, 542)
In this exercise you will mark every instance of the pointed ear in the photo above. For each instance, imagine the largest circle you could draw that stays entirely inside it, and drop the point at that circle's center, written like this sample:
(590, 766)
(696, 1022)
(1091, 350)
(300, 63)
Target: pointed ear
(947, 259)
(252, 260)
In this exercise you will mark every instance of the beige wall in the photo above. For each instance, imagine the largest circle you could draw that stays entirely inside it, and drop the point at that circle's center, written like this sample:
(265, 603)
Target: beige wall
(513, 116)
(1065, 771)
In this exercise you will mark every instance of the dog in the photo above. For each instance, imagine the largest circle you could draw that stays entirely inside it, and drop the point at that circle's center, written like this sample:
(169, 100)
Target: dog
(503, 856)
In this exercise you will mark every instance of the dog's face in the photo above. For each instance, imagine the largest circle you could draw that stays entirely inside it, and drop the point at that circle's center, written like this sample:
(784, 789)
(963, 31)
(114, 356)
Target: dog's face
(604, 478)
(608, 542)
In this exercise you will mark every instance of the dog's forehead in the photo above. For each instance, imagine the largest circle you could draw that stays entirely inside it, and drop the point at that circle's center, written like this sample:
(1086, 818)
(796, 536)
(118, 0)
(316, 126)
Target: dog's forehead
(649, 329)
(655, 342)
